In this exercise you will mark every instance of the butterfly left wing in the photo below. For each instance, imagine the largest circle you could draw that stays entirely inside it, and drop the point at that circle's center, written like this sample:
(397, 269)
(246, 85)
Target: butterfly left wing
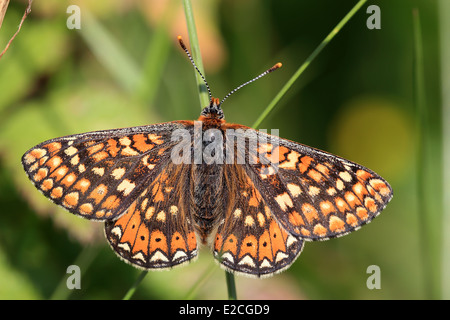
(156, 231)
(98, 175)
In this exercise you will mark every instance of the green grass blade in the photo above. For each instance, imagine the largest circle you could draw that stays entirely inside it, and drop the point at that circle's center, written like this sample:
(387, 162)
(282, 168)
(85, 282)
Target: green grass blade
(444, 19)
(195, 51)
(84, 260)
(231, 285)
(308, 61)
(425, 217)
(132, 290)
(110, 53)
(203, 93)
(204, 277)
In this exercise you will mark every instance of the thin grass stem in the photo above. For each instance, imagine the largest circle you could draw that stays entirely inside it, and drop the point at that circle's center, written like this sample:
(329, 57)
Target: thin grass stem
(132, 290)
(444, 20)
(305, 65)
(196, 54)
(203, 92)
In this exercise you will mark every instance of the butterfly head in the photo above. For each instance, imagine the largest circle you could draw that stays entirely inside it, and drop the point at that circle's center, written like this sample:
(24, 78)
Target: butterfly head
(213, 111)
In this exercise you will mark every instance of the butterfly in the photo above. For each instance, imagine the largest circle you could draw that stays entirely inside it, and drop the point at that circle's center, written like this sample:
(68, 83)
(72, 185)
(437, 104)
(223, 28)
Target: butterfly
(163, 190)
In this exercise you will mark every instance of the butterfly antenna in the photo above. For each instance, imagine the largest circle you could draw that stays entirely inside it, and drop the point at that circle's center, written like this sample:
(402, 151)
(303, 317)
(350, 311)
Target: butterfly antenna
(275, 67)
(180, 40)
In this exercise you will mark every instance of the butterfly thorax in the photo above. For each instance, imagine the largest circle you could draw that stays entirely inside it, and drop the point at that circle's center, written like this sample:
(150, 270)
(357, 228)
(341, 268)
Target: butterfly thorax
(212, 112)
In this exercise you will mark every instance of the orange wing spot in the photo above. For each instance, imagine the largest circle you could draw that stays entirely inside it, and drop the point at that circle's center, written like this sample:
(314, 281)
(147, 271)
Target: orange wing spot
(177, 243)
(59, 173)
(305, 162)
(128, 151)
(276, 237)
(253, 201)
(315, 175)
(42, 160)
(100, 214)
(320, 230)
(53, 147)
(284, 201)
(373, 193)
(191, 241)
(364, 175)
(351, 199)
(310, 212)
(47, 184)
(278, 155)
(265, 148)
(86, 208)
(131, 226)
(362, 213)
(341, 204)
(159, 196)
(155, 138)
(305, 232)
(218, 243)
(95, 148)
(69, 179)
(265, 249)
(291, 162)
(82, 185)
(323, 169)
(380, 186)
(99, 156)
(112, 147)
(142, 238)
(249, 246)
(327, 207)
(351, 219)
(336, 224)
(123, 220)
(141, 144)
(296, 219)
(56, 193)
(53, 162)
(41, 174)
(98, 193)
(88, 143)
(33, 155)
(112, 202)
(158, 241)
(230, 245)
(360, 190)
(71, 199)
(125, 141)
(370, 204)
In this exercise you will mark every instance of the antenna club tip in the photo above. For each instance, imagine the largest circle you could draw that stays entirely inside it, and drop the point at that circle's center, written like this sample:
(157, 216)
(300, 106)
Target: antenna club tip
(278, 65)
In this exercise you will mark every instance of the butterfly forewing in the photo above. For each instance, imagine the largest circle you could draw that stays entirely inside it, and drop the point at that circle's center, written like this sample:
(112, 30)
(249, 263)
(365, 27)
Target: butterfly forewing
(98, 175)
(315, 195)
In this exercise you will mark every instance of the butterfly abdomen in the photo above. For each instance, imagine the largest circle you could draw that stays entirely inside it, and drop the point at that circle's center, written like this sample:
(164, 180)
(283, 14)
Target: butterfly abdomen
(206, 197)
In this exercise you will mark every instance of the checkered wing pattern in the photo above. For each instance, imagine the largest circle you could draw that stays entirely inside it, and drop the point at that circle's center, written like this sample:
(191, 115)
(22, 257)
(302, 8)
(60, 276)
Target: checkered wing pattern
(99, 175)
(156, 231)
(250, 240)
(315, 195)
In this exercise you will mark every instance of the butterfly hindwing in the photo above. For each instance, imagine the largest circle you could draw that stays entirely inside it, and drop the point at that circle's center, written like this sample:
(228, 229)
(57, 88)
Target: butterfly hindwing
(98, 175)
(156, 231)
(249, 240)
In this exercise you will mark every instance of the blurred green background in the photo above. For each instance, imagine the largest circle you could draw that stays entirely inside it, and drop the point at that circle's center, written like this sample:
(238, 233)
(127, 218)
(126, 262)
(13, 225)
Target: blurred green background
(124, 68)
